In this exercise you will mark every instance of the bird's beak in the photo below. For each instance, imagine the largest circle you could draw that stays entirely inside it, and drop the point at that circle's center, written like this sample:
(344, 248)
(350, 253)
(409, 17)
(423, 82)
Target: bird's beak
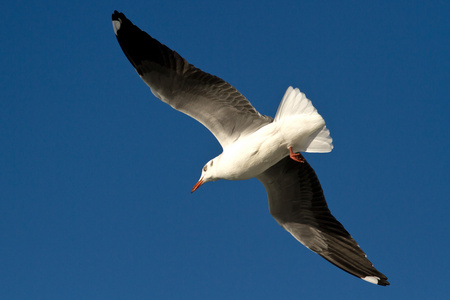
(197, 185)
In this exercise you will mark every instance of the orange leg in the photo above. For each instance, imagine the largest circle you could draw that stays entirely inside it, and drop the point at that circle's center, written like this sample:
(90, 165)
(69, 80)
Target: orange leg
(296, 156)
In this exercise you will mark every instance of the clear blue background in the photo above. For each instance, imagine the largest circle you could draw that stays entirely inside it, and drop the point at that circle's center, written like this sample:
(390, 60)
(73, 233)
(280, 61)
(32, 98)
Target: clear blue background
(95, 172)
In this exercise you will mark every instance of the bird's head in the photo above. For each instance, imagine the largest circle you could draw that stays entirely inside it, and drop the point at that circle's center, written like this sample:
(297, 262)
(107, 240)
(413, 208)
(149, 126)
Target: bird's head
(208, 174)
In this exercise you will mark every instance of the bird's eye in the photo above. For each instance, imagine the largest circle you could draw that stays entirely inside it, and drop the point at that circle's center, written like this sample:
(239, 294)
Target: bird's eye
(205, 168)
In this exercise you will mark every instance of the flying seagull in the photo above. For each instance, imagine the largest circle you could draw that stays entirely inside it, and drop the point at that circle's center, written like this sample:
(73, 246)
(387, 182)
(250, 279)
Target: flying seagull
(253, 145)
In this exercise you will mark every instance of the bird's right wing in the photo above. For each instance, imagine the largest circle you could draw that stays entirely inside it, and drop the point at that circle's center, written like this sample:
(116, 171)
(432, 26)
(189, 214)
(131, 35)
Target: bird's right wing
(207, 98)
(297, 203)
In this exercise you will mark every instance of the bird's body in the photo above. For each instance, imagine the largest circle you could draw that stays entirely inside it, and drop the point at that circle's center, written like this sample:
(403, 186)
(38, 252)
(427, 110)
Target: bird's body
(251, 155)
(253, 145)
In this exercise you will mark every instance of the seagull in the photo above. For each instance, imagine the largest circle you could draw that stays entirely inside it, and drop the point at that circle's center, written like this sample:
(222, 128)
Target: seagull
(253, 145)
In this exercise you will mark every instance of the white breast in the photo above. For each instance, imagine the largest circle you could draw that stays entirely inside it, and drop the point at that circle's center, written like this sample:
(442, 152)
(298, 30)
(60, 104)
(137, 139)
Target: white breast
(253, 154)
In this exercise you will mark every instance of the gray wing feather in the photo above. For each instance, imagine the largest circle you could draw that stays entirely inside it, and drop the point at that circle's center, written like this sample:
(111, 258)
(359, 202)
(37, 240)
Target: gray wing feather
(297, 203)
(205, 97)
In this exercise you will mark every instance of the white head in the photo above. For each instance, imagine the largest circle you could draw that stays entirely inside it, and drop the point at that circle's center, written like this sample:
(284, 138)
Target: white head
(208, 174)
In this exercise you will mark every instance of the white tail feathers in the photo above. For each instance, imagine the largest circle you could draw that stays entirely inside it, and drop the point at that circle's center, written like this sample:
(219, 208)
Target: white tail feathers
(295, 102)
(322, 143)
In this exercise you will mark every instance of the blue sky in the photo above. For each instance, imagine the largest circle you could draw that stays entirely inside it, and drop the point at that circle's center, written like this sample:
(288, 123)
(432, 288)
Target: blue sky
(96, 172)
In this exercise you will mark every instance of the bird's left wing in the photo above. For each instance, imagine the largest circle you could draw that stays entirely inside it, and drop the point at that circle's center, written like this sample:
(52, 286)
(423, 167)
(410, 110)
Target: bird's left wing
(207, 98)
(297, 203)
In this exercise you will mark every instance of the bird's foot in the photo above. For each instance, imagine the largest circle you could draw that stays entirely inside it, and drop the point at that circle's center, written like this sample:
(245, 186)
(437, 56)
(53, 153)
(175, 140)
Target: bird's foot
(296, 156)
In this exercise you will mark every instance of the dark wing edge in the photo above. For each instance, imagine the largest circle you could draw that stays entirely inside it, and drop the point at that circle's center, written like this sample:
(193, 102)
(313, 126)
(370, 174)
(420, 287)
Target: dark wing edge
(205, 97)
(297, 203)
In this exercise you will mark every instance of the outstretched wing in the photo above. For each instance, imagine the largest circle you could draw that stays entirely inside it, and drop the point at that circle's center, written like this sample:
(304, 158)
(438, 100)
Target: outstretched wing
(207, 98)
(297, 203)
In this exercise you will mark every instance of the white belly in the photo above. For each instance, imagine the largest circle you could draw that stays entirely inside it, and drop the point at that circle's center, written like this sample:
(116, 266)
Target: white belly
(253, 154)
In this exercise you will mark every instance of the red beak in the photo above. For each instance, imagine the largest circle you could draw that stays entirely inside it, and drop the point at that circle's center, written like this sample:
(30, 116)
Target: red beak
(197, 185)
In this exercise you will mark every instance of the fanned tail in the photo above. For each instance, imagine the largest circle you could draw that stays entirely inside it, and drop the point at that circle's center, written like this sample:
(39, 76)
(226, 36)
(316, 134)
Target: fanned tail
(295, 102)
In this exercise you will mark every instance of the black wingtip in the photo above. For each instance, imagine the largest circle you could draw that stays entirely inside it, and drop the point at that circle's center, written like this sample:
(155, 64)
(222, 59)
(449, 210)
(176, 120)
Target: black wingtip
(378, 279)
(139, 45)
(117, 20)
(116, 15)
(383, 282)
